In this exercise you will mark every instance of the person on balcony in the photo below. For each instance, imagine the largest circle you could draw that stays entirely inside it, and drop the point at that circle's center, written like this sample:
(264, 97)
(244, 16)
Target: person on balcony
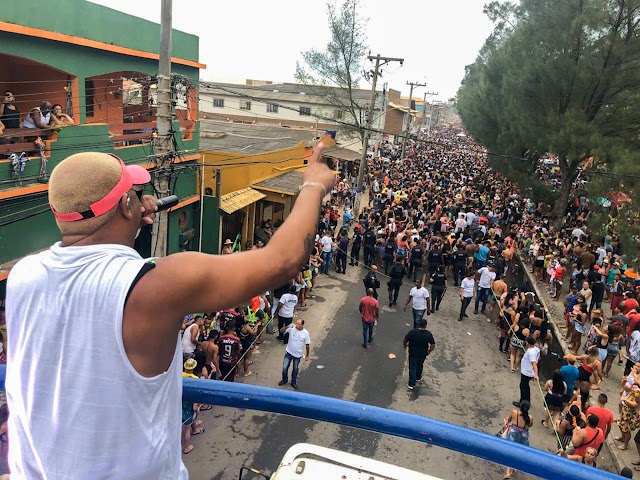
(39, 117)
(9, 113)
(59, 118)
(125, 312)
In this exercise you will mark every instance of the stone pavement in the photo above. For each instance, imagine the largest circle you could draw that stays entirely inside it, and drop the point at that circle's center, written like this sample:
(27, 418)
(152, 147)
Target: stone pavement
(610, 386)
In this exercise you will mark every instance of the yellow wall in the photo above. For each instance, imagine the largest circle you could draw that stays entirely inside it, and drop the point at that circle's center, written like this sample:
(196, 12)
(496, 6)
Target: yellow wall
(237, 174)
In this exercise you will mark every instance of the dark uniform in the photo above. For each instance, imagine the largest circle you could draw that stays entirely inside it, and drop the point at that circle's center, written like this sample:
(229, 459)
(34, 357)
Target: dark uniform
(397, 273)
(369, 245)
(389, 250)
(355, 248)
(341, 254)
(435, 259)
(459, 266)
(415, 262)
(371, 281)
(438, 287)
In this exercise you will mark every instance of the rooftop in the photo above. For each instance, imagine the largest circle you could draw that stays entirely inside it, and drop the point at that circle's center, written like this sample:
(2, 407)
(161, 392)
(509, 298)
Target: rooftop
(251, 139)
(288, 183)
(283, 92)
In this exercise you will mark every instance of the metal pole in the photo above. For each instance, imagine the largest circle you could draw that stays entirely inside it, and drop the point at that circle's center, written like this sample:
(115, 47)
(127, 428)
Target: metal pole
(365, 140)
(164, 119)
(201, 204)
(218, 195)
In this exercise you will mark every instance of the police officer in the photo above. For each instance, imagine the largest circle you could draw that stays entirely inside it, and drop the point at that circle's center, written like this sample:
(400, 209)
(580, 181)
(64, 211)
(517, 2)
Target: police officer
(371, 281)
(435, 258)
(397, 273)
(355, 248)
(459, 264)
(369, 242)
(438, 287)
(415, 260)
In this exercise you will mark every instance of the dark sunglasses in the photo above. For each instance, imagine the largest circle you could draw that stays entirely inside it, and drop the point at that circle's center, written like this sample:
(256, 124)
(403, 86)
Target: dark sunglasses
(139, 194)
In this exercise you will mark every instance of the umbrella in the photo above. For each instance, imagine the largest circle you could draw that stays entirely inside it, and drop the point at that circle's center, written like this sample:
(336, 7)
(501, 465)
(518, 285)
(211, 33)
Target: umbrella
(618, 197)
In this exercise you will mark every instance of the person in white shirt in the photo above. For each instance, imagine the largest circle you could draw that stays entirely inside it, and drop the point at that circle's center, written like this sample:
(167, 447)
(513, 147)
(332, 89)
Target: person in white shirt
(486, 275)
(190, 338)
(528, 370)
(420, 298)
(467, 292)
(284, 311)
(327, 251)
(298, 346)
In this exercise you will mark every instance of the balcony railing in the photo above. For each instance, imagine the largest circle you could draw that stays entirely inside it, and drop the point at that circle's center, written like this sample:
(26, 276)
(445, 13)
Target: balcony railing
(389, 422)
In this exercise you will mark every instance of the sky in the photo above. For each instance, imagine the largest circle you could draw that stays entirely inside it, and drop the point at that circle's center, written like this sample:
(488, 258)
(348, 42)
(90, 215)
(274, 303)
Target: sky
(251, 39)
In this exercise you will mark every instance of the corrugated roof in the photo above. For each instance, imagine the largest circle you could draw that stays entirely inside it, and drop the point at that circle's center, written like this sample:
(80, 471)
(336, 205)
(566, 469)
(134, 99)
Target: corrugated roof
(234, 201)
(288, 182)
(251, 139)
(285, 91)
(342, 154)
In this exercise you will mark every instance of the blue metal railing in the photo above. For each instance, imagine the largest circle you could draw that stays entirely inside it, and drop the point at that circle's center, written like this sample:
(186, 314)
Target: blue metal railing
(390, 422)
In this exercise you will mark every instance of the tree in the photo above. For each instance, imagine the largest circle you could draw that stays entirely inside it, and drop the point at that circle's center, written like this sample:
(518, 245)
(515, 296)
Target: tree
(334, 74)
(561, 78)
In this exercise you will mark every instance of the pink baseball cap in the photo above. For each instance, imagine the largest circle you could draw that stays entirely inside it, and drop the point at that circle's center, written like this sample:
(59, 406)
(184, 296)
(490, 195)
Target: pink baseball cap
(131, 175)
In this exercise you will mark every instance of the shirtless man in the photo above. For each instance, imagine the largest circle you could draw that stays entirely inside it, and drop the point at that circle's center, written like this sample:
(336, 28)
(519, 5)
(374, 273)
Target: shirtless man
(211, 351)
(500, 287)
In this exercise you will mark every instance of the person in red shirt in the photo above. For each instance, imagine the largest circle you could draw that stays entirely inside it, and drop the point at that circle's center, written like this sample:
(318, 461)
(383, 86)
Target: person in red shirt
(634, 318)
(591, 436)
(369, 313)
(229, 347)
(629, 303)
(605, 416)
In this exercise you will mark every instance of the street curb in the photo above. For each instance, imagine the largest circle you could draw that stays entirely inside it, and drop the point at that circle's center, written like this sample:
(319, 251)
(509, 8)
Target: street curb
(611, 446)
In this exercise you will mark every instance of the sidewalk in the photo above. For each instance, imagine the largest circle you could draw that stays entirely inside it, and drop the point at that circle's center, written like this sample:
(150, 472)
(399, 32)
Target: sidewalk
(610, 386)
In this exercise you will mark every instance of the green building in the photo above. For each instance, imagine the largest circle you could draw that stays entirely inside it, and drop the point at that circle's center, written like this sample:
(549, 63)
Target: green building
(100, 65)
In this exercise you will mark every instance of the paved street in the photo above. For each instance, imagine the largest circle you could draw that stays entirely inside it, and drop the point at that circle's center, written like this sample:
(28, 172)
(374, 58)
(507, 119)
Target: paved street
(467, 382)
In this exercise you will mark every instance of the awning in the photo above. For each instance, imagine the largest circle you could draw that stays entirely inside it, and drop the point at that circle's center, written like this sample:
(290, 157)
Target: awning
(234, 201)
(287, 183)
(342, 154)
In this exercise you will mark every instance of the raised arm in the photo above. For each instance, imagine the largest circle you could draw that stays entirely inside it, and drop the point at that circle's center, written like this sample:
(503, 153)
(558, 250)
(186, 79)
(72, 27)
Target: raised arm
(191, 281)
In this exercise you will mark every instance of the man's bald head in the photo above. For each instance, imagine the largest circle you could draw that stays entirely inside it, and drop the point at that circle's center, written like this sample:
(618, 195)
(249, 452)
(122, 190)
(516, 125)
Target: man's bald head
(79, 181)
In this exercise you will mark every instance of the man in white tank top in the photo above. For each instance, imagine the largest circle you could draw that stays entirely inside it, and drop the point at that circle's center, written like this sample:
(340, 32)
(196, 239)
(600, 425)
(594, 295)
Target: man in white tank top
(39, 117)
(118, 415)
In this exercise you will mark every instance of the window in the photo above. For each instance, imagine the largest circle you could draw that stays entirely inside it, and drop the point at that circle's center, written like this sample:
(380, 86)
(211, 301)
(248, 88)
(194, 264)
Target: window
(306, 111)
(271, 108)
(338, 114)
(89, 89)
(218, 102)
(245, 105)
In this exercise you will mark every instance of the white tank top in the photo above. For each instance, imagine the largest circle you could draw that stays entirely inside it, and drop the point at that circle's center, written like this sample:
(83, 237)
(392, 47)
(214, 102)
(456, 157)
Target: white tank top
(29, 123)
(79, 410)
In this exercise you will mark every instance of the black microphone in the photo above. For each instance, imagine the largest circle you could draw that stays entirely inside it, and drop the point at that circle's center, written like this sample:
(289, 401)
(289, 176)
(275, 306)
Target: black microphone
(166, 203)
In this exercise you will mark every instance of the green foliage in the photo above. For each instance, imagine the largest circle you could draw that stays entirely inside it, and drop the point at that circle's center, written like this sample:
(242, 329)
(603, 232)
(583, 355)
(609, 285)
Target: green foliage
(559, 77)
(335, 73)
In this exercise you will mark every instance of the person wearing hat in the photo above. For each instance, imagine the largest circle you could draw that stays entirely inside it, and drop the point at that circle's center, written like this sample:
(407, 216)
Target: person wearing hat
(100, 294)
(227, 247)
(189, 411)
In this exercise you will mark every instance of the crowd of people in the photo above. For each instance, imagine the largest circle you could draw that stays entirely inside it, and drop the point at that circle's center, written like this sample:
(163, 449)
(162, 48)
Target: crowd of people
(441, 215)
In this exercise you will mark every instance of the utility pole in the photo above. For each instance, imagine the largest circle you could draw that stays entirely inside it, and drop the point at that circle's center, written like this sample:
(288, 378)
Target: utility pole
(406, 133)
(164, 143)
(380, 61)
(424, 111)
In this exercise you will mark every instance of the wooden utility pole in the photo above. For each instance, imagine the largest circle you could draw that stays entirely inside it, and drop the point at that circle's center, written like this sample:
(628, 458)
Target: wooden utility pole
(406, 133)
(164, 140)
(380, 61)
